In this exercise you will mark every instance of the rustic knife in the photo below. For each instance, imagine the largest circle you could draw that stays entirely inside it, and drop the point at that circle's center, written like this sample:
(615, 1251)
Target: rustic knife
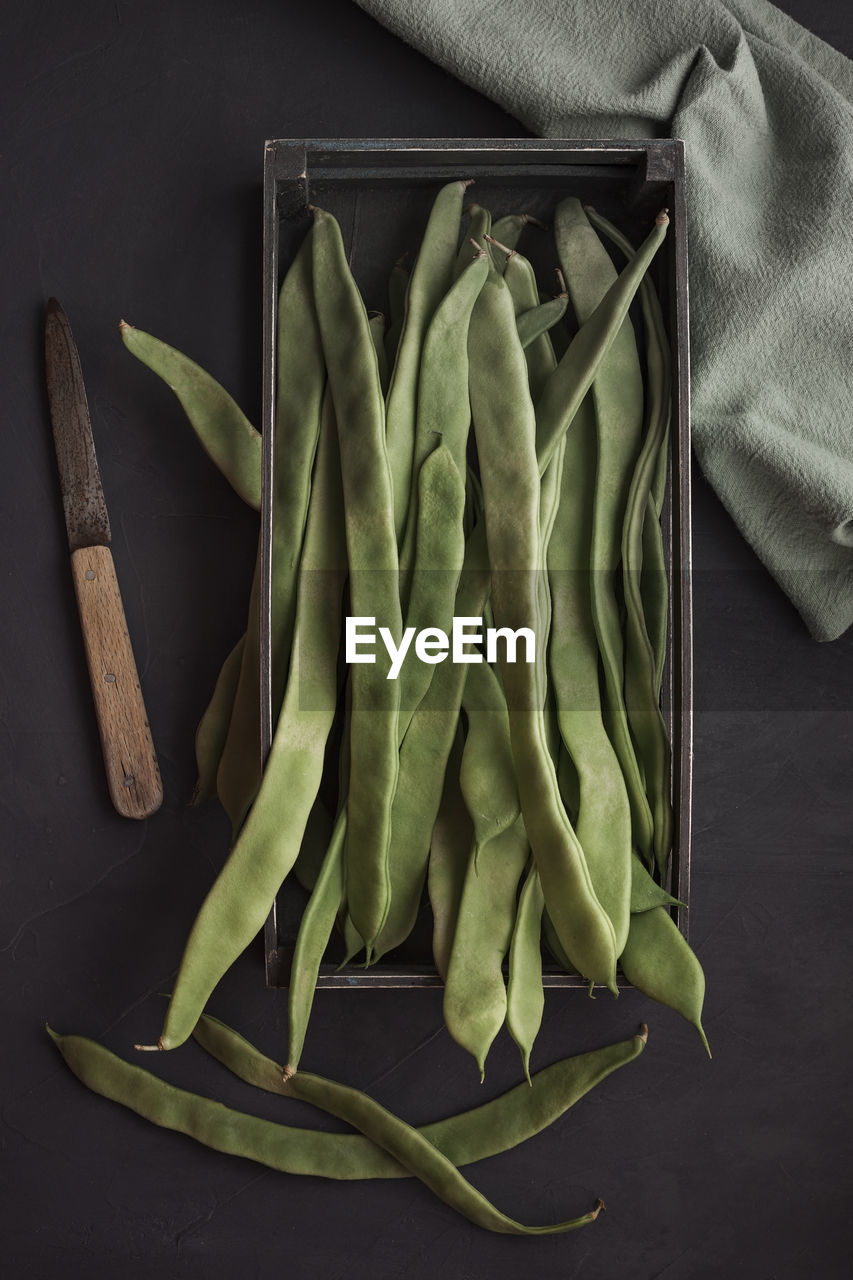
(133, 775)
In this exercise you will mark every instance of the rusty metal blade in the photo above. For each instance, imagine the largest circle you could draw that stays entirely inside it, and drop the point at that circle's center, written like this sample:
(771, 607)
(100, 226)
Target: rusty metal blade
(86, 516)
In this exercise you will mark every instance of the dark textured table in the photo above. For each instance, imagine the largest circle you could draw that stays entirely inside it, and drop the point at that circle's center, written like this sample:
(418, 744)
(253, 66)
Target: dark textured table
(131, 187)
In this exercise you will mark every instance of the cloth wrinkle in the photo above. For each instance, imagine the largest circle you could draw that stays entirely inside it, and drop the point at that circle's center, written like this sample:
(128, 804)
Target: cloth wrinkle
(765, 109)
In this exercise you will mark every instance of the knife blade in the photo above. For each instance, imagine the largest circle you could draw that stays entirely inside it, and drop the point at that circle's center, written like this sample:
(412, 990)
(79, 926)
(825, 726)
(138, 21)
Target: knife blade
(133, 775)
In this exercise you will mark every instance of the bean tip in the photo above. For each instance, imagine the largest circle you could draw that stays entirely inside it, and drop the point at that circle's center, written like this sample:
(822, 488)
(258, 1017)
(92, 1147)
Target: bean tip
(287, 1074)
(481, 252)
(561, 281)
(703, 1038)
(150, 1048)
(122, 325)
(465, 183)
(599, 1205)
(662, 219)
(643, 1033)
(534, 222)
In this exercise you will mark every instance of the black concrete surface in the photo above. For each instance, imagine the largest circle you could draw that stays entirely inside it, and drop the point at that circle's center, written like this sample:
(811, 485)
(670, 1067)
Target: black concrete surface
(131, 167)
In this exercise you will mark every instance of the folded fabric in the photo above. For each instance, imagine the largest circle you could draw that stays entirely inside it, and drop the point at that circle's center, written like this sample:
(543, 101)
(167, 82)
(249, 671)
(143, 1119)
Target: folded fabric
(766, 113)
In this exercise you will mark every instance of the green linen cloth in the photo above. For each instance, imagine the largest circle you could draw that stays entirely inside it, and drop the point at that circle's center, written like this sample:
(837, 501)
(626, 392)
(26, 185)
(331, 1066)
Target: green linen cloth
(766, 113)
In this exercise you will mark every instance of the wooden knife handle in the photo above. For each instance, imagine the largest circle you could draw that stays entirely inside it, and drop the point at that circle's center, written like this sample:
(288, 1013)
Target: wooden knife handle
(133, 775)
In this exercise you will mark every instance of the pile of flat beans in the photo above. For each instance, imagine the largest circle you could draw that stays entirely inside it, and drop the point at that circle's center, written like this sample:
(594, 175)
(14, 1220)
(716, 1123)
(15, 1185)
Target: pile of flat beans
(491, 454)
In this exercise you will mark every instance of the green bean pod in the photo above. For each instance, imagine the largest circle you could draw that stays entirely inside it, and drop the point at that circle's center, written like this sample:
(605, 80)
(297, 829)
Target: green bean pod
(654, 588)
(223, 429)
(301, 379)
(241, 897)
(437, 565)
(617, 395)
(539, 319)
(374, 572)
(234, 446)
(552, 942)
(574, 374)
(443, 412)
(450, 846)
(646, 893)
(398, 285)
(423, 760)
(212, 728)
(377, 333)
(484, 1131)
(315, 929)
(603, 822)
(429, 281)
(487, 774)
(658, 961)
(642, 694)
(474, 1004)
(505, 430)
(479, 226)
(418, 1155)
(520, 279)
(525, 1001)
(315, 842)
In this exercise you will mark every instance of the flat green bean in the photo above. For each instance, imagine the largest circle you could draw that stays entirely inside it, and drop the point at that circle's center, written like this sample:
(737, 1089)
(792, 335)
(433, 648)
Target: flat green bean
(429, 281)
(474, 1004)
(417, 1154)
(505, 430)
(450, 845)
(646, 893)
(437, 564)
(487, 1130)
(398, 284)
(301, 380)
(654, 587)
(617, 395)
(241, 897)
(443, 412)
(658, 961)
(574, 374)
(641, 690)
(315, 929)
(423, 760)
(603, 822)
(373, 578)
(525, 1002)
(520, 279)
(486, 774)
(540, 318)
(212, 729)
(223, 429)
(377, 333)
(479, 225)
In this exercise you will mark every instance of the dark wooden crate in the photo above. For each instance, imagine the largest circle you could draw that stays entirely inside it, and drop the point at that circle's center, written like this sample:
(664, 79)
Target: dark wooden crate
(380, 190)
